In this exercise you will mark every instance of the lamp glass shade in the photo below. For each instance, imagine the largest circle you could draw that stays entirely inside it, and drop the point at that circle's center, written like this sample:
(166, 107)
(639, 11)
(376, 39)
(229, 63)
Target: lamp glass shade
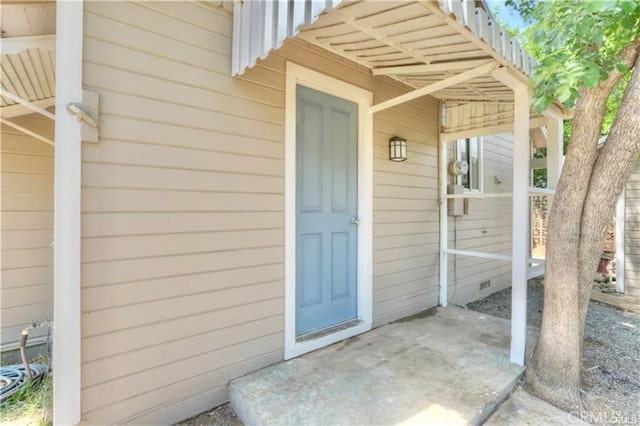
(397, 149)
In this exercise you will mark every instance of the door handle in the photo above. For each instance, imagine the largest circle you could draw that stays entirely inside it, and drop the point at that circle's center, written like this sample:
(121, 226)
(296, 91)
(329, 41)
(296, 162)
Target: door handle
(355, 221)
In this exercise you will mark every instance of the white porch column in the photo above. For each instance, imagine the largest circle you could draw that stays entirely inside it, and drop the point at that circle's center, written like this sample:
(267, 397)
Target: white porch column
(444, 222)
(620, 241)
(520, 221)
(554, 150)
(520, 225)
(66, 251)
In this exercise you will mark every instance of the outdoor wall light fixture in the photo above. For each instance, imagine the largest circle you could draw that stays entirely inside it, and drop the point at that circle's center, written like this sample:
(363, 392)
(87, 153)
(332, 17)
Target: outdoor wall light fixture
(397, 149)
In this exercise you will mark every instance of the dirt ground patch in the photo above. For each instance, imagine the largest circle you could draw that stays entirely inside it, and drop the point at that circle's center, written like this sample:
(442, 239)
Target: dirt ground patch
(220, 416)
(611, 354)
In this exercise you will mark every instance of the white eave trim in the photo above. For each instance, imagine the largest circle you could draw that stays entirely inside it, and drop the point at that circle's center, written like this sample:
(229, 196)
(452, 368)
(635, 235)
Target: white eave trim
(20, 44)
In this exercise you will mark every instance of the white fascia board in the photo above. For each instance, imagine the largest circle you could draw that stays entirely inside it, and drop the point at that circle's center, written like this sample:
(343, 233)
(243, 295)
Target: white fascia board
(20, 44)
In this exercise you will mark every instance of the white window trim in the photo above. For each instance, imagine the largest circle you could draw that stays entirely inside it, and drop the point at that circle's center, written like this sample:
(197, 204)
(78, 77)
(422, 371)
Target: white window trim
(458, 179)
(296, 74)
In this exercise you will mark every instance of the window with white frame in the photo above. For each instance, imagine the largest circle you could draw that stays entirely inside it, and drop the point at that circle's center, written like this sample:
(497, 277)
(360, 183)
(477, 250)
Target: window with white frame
(470, 150)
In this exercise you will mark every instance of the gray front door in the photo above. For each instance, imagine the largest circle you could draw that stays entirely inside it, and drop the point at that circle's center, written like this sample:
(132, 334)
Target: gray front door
(326, 210)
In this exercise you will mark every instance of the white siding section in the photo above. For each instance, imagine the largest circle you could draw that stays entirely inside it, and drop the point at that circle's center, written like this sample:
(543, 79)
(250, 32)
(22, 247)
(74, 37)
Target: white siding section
(26, 227)
(183, 202)
(487, 228)
(632, 234)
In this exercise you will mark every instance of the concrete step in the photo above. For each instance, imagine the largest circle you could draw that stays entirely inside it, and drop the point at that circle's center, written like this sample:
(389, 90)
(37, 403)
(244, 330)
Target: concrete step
(450, 366)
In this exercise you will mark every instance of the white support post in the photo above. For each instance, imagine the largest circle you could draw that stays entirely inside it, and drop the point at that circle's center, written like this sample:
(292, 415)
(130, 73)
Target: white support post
(554, 150)
(620, 242)
(444, 225)
(66, 256)
(519, 224)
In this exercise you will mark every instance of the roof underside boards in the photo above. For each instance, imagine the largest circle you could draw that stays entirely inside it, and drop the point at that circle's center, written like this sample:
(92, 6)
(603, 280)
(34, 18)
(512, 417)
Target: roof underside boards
(28, 55)
(29, 75)
(416, 42)
(28, 18)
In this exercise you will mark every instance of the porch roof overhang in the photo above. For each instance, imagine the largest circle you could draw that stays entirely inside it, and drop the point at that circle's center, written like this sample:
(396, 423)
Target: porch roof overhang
(28, 80)
(449, 49)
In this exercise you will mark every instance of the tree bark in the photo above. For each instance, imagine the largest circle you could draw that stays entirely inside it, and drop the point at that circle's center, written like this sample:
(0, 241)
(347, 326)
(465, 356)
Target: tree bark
(610, 172)
(583, 205)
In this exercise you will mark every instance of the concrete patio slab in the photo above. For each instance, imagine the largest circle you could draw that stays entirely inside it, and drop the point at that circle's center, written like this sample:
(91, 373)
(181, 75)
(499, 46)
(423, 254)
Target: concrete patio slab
(444, 366)
(524, 409)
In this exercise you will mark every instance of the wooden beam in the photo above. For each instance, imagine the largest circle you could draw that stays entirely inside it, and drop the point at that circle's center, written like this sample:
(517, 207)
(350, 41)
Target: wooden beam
(490, 130)
(428, 68)
(484, 255)
(538, 163)
(28, 104)
(26, 131)
(509, 78)
(17, 110)
(442, 84)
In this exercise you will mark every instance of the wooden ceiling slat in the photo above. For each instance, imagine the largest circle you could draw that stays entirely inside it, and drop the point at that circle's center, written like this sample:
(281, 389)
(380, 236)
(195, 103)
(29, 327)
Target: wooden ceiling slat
(11, 80)
(39, 71)
(31, 74)
(48, 61)
(22, 76)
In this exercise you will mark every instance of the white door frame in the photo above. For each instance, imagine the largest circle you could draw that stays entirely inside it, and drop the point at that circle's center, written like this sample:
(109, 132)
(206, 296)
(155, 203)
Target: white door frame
(296, 74)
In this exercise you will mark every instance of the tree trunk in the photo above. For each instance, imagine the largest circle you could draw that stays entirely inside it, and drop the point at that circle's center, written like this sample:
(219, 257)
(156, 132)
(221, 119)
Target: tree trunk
(582, 209)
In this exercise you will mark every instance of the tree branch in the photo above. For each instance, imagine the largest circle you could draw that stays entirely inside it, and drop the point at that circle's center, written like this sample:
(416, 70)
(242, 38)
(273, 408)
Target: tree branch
(627, 57)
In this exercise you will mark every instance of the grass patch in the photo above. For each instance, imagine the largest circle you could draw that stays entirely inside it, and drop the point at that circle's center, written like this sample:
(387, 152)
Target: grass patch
(31, 405)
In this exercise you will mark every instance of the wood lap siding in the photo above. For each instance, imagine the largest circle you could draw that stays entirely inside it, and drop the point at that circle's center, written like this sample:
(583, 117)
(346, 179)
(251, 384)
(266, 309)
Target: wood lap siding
(183, 209)
(487, 228)
(27, 230)
(632, 233)
(182, 225)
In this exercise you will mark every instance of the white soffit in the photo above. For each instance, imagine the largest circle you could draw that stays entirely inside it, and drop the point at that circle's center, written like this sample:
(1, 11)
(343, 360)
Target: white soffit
(416, 42)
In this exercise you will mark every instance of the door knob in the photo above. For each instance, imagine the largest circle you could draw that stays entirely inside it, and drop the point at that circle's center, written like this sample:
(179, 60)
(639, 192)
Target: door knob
(355, 221)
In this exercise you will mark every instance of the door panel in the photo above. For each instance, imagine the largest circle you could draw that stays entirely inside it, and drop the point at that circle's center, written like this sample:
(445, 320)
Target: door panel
(326, 201)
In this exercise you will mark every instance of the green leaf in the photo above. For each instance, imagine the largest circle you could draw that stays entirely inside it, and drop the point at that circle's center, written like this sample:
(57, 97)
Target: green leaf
(591, 79)
(629, 22)
(563, 93)
(540, 104)
(629, 6)
(622, 68)
(597, 6)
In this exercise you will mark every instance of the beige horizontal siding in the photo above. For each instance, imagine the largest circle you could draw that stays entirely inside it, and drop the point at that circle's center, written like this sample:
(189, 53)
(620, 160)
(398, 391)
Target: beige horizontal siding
(487, 228)
(183, 209)
(26, 230)
(632, 233)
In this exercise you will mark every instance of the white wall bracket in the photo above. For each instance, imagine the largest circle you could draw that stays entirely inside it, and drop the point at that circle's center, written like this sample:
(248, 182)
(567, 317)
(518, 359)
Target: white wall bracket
(87, 114)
